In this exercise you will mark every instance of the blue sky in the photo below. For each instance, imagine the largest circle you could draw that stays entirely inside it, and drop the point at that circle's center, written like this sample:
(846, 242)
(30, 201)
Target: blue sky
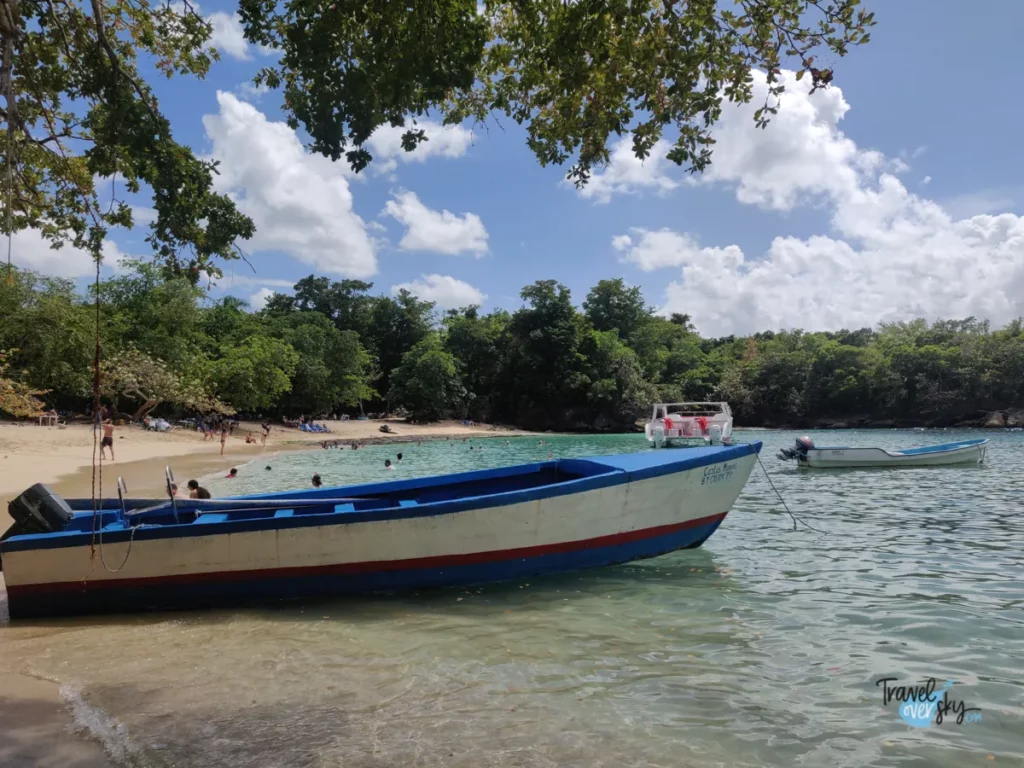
(894, 194)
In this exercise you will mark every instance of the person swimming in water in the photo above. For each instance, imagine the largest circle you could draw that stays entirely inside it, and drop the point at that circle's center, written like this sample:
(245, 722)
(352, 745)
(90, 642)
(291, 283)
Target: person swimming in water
(317, 482)
(232, 474)
(387, 464)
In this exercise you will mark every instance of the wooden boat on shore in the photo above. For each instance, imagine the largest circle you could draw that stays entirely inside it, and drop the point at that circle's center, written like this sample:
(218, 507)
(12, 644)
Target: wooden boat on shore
(807, 454)
(472, 527)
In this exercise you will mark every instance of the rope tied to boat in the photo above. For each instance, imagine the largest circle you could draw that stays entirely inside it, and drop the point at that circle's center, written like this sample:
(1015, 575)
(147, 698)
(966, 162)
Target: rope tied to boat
(785, 506)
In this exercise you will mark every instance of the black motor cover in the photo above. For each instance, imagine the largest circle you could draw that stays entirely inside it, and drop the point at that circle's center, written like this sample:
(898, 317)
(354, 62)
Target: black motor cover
(39, 510)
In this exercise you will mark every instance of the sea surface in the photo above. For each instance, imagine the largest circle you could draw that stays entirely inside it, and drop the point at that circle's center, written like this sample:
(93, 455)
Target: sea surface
(762, 648)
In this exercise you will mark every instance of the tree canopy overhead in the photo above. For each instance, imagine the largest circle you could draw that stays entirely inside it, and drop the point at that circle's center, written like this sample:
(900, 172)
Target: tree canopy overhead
(576, 75)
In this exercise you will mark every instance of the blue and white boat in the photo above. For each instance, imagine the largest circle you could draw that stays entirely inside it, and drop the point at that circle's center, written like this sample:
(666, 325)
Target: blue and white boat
(465, 528)
(807, 454)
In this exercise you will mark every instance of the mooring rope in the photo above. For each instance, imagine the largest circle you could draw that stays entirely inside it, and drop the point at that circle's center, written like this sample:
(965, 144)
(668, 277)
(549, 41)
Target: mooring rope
(784, 504)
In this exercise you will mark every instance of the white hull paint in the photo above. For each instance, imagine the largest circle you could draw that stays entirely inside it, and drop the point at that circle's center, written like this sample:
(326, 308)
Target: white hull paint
(612, 517)
(853, 458)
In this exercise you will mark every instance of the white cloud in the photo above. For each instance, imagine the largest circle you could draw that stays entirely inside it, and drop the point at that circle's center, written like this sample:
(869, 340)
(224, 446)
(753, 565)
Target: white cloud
(259, 299)
(226, 33)
(238, 281)
(926, 180)
(665, 248)
(890, 254)
(143, 215)
(31, 251)
(252, 92)
(800, 157)
(436, 231)
(385, 144)
(444, 290)
(301, 203)
(625, 174)
(227, 36)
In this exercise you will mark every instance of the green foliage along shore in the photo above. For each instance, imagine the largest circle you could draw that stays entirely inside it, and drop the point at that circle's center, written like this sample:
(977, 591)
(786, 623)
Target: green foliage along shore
(335, 347)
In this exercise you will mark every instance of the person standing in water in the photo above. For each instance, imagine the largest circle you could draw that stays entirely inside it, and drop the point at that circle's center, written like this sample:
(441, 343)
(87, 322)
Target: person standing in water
(317, 482)
(108, 438)
(196, 491)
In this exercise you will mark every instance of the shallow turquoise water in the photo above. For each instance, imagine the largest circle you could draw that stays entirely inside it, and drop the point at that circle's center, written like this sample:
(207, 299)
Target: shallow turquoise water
(760, 649)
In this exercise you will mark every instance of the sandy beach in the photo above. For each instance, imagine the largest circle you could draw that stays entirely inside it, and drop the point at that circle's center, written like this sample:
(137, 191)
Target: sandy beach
(38, 726)
(62, 457)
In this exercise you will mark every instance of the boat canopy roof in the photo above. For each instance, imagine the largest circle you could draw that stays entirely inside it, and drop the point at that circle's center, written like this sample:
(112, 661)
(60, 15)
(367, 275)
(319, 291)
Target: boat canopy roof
(692, 409)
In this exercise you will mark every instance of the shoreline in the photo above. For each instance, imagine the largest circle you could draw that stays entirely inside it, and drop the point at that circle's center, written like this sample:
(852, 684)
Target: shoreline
(40, 725)
(40, 729)
(62, 457)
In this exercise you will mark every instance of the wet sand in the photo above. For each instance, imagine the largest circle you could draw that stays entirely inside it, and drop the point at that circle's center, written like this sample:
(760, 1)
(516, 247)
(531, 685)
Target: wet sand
(37, 729)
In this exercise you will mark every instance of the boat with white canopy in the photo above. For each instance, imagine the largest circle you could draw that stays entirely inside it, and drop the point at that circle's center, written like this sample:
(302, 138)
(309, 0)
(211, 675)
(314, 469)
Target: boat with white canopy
(682, 424)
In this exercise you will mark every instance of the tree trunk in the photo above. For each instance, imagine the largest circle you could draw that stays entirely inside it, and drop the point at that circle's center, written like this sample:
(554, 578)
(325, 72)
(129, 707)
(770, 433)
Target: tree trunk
(148, 406)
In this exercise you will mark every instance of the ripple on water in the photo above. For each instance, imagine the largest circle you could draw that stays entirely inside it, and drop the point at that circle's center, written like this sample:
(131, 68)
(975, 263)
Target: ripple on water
(760, 649)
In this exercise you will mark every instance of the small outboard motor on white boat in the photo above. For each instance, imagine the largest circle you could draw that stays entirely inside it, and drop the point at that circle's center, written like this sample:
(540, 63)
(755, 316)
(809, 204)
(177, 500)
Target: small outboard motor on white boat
(658, 436)
(803, 445)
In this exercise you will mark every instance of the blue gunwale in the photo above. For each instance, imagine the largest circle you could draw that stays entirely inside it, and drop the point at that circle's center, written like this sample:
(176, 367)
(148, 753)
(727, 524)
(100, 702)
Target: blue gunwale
(587, 474)
(941, 448)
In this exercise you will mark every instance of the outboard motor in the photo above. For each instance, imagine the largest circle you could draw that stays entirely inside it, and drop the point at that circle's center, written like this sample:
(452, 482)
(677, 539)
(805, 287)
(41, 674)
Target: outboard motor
(37, 510)
(798, 451)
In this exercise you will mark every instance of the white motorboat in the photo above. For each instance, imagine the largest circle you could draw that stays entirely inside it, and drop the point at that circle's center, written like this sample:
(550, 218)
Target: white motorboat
(807, 454)
(675, 424)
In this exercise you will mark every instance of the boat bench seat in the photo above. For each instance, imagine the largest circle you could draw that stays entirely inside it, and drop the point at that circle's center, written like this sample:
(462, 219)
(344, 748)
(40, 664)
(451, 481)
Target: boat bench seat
(284, 513)
(212, 517)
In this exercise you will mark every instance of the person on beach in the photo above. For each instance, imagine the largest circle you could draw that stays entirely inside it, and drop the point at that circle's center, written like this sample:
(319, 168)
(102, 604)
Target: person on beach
(196, 491)
(317, 482)
(223, 438)
(232, 474)
(108, 438)
(266, 431)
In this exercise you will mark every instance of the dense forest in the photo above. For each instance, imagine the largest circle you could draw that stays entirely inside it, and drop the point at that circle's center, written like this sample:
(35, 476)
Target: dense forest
(336, 347)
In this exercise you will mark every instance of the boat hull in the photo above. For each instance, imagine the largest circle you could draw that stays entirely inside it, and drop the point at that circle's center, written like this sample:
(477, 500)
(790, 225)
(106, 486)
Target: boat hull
(639, 509)
(967, 452)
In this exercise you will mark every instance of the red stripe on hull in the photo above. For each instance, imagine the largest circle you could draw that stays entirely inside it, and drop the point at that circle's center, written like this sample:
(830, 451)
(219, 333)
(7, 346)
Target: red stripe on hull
(436, 561)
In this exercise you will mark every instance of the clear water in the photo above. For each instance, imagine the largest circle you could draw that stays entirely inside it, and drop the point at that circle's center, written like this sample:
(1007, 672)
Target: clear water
(760, 649)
